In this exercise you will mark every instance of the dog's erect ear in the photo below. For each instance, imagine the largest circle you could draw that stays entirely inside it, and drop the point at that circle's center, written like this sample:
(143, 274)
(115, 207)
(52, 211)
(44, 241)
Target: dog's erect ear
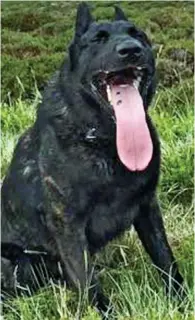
(119, 14)
(83, 19)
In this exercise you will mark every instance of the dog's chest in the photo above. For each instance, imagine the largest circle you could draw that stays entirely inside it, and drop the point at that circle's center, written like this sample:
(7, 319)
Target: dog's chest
(112, 214)
(115, 202)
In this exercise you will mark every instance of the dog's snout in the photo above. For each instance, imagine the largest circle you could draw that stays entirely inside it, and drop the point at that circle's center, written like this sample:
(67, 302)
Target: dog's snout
(128, 48)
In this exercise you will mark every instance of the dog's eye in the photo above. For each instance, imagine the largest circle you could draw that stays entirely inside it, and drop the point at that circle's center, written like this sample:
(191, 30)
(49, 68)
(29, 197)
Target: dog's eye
(133, 32)
(101, 36)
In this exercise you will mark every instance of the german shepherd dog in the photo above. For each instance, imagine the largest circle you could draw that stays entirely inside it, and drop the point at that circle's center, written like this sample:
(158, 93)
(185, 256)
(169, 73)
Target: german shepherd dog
(88, 169)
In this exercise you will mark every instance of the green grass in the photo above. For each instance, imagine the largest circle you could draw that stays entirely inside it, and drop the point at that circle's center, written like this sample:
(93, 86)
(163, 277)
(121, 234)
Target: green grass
(126, 272)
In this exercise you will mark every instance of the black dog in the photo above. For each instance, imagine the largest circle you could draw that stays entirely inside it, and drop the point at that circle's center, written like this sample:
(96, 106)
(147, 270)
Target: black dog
(88, 168)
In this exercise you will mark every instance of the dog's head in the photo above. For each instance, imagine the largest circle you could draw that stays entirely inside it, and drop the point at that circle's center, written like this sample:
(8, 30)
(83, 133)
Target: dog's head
(114, 61)
(112, 53)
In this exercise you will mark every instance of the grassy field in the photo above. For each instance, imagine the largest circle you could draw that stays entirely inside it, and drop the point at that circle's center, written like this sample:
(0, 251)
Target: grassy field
(125, 270)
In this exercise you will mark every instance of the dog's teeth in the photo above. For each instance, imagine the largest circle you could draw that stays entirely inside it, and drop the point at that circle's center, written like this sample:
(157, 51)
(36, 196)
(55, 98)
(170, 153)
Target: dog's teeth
(124, 85)
(139, 79)
(109, 93)
(136, 84)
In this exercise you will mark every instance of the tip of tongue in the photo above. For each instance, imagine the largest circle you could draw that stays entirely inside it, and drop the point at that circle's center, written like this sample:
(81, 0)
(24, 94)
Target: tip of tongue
(139, 164)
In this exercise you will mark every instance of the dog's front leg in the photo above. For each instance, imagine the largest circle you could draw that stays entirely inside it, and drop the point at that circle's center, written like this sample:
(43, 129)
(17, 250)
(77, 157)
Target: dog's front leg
(150, 228)
(76, 261)
(68, 232)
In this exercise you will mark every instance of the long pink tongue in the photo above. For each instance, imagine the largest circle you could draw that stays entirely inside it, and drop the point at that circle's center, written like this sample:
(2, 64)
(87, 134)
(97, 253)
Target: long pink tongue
(134, 144)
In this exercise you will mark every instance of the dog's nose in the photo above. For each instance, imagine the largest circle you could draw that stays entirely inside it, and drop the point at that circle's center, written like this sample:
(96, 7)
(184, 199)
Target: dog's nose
(128, 48)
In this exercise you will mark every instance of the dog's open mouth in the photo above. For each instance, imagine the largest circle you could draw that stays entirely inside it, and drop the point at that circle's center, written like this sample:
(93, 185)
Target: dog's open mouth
(122, 89)
(103, 80)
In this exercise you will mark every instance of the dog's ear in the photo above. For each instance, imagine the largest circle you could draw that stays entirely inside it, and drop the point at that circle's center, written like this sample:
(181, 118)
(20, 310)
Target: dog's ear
(83, 19)
(119, 14)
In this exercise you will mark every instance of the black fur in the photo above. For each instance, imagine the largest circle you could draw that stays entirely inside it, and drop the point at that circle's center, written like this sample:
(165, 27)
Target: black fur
(66, 194)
